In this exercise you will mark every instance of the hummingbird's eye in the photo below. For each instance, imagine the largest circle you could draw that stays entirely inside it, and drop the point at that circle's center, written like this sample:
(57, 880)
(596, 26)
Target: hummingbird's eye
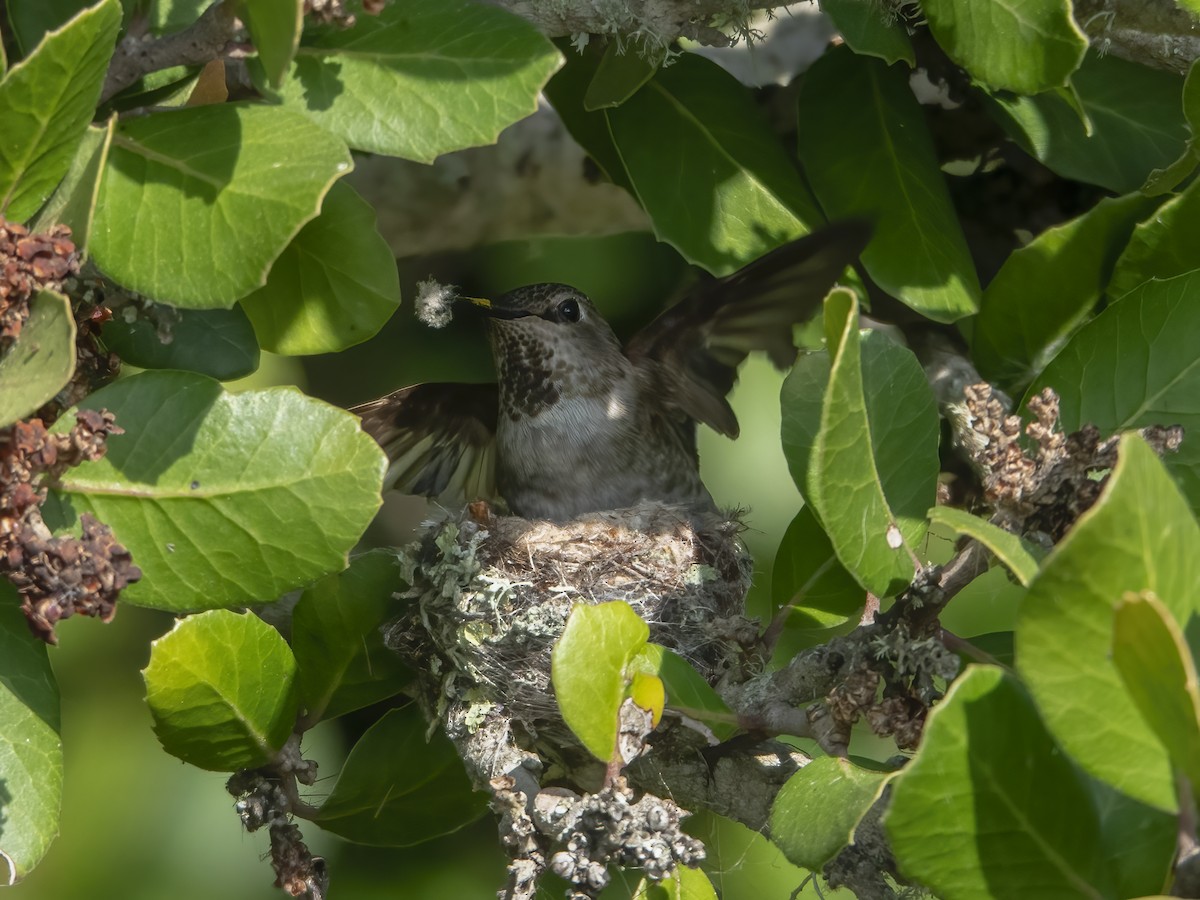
(568, 311)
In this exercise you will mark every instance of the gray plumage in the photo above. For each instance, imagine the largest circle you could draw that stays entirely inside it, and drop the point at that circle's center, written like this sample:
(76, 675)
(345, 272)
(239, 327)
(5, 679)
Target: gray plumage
(580, 423)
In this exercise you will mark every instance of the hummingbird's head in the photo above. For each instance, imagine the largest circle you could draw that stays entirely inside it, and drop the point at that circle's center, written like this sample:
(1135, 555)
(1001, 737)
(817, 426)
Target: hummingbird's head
(550, 343)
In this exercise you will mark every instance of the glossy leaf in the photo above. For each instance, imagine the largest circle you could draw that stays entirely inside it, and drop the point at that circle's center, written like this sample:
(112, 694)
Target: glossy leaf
(1135, 364)
(221, 688)
(682, 884)
(41, 360)
(421, 79)
(31, 19)
(686, 690)
(1026, 46)
(707, 168)
(870, 30)
(1138, 840)
(197, 203)
(1160, 246)
(1065, 624)
(46, 102)
(73, 202)
(1161, 181)
(1157, 668)
(274, 27)
(867, 152)
(166, 16)
(1047, 288)
(815, 813)
(588, 670)
(31, 755)
(1016, 555)
(398, 789)
(219, 343)
(334, 286)
(621, 73)
(809, 578)
(225, 499)
(337, 639)
(566, 91)
(860, 435)
(1136, 122)
(988, 787)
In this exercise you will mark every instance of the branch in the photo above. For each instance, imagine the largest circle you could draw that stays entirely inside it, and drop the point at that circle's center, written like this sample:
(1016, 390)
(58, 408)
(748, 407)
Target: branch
(202, 41)
(656, 23)
(1157, 33)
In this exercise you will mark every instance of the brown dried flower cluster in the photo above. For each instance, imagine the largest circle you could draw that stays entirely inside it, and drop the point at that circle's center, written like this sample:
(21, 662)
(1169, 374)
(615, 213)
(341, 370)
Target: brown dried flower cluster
(57, 576)
(262, 800)
(1046, 490)
(30, 263)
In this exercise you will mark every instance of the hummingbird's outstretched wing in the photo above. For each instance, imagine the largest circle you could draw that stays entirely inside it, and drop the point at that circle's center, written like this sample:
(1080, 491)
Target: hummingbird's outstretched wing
(691, 352)
(439, 439)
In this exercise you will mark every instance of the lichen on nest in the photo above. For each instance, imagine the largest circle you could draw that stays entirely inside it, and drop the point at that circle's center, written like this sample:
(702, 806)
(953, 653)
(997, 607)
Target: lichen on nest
(492, 594)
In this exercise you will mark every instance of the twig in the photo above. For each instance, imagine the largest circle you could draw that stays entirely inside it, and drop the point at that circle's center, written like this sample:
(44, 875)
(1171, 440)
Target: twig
(204, 40)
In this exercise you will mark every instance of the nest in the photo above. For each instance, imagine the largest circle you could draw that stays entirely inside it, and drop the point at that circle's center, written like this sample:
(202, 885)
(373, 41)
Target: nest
(492, 595)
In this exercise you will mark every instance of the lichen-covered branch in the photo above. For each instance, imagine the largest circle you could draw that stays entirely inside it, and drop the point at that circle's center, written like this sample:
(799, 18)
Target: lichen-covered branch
(654, 22)
(1157, 33)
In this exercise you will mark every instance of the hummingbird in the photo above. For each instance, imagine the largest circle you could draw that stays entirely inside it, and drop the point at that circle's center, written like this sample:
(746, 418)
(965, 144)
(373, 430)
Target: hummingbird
(578, 423)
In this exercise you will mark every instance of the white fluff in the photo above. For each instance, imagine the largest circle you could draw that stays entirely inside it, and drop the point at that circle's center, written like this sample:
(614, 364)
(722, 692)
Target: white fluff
(435, 303)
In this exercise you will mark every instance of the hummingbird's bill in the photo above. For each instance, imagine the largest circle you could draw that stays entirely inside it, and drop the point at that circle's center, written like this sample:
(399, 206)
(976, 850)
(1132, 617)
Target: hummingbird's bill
(579, 423)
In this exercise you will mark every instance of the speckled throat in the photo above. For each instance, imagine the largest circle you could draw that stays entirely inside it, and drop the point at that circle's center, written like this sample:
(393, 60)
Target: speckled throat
(576, 432)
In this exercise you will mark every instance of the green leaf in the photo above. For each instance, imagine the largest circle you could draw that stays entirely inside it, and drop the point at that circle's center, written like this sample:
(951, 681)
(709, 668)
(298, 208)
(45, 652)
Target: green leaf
(1139, 536)
(41, 360)
(687, 691)
(31, 19)
(1027, 46)
(861, 437)
(1138, 840)
(808, 578)
(989, 787)
(274, 27)
(173, 15)
(31, 757)
(46, 102)
(682, 884)
(705, 165)
(73, 203)
(337, 640)
(224, 499)
(421, 79)
(867, 152)
(197, 203)
(1017, 555)
(815, 813)
(170, 87)
(1159, 673)
(621, 74)
(566, 92)
(1160, 246)
(1047, 288)
(1161, 181)
(221, 688)
(870, 30)
(334, 286)
(215, 342)
(1135, 364)
(588, 670)
(398, 789)
(1136, 124)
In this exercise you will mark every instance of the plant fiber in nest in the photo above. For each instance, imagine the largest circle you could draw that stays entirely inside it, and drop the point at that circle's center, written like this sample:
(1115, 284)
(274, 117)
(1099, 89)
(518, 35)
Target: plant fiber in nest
(490, 597)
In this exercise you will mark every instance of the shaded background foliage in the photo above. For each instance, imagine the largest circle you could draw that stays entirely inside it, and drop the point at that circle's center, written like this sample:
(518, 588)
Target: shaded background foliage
(995, 208)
